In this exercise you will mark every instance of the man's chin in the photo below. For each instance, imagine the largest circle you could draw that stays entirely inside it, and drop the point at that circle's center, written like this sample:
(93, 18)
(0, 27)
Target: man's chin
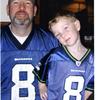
(22, 22)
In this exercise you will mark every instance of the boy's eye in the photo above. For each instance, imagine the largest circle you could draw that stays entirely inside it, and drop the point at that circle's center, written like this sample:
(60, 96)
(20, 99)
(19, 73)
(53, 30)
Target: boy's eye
(58, 35)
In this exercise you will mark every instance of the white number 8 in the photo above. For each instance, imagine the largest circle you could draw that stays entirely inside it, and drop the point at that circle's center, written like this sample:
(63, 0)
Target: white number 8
(73, 92)
(23, 84)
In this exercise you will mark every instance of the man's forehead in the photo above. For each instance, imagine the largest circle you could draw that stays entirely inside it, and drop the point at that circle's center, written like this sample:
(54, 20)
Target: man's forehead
(33, 1)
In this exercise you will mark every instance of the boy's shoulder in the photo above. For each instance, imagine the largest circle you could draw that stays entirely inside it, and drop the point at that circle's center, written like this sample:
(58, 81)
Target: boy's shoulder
(91, 57)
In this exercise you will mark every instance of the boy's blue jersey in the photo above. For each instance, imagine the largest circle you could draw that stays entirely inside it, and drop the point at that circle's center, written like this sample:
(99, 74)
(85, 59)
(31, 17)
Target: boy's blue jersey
(67, 77)
(17, 63)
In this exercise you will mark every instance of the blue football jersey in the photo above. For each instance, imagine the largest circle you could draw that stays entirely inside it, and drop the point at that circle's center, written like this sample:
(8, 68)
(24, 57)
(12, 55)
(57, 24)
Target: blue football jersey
(90, 85)
(67, 77)
(17, 63)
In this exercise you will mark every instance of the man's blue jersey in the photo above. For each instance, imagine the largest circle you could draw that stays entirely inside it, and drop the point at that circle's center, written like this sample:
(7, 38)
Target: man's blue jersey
(17, 63)
(67, 77)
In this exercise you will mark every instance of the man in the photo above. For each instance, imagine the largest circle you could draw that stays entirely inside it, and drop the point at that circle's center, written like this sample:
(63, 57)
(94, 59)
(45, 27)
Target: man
(22, 46)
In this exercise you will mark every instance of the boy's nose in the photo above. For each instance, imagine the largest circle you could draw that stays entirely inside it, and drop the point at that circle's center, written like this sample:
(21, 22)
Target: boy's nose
(63, 35)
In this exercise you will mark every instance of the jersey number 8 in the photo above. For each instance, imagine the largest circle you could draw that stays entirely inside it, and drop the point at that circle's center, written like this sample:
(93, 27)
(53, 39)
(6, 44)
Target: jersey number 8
(23, 84)
(73, 92)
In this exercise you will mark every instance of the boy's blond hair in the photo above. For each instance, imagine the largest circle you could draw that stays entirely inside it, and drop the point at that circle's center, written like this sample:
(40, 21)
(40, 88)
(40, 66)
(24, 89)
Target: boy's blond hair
(60, 14)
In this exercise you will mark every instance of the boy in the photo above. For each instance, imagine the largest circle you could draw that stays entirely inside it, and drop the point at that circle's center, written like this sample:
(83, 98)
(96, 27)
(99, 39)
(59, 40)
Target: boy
(69, 67)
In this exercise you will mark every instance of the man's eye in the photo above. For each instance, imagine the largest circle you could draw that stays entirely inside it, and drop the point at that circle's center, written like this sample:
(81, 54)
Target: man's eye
(15, 2)
(28, 2)
(66, 27)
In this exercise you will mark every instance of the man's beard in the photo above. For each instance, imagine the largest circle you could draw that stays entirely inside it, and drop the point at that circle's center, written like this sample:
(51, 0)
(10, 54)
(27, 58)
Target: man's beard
(17, 21)
(22, 22)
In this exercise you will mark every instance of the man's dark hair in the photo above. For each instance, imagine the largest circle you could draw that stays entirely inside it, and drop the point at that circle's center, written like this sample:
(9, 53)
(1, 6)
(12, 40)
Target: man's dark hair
(33, 1)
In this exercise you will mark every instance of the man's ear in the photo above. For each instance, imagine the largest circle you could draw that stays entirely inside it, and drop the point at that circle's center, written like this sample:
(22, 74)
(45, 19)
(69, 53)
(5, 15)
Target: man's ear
(35, 10)
(77, 25)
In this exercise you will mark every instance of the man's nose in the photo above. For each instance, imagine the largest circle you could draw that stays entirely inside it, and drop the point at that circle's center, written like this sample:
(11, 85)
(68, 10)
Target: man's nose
(22, 6)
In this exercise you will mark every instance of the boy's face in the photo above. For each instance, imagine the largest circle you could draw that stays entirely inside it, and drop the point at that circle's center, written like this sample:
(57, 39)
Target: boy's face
(21, 11)
(66, 31)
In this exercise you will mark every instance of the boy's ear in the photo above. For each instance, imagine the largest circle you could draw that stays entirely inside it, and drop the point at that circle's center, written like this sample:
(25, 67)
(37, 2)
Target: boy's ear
(77, 25)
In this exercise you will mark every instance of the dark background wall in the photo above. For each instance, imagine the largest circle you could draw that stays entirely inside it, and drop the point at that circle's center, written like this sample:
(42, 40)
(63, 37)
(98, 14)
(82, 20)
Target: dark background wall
(86, 16)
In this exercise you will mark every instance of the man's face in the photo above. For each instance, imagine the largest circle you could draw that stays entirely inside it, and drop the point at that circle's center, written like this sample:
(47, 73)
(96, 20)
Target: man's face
(21, 11)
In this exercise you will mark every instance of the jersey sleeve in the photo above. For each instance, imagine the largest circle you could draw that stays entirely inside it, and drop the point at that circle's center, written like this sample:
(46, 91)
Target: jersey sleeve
(90, 85)
(41, 69)
(41, 72)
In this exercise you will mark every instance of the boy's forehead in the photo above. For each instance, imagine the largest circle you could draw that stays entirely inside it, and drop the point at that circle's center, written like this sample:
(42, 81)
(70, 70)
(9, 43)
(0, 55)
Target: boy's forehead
(58, 26)
(62, 21)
